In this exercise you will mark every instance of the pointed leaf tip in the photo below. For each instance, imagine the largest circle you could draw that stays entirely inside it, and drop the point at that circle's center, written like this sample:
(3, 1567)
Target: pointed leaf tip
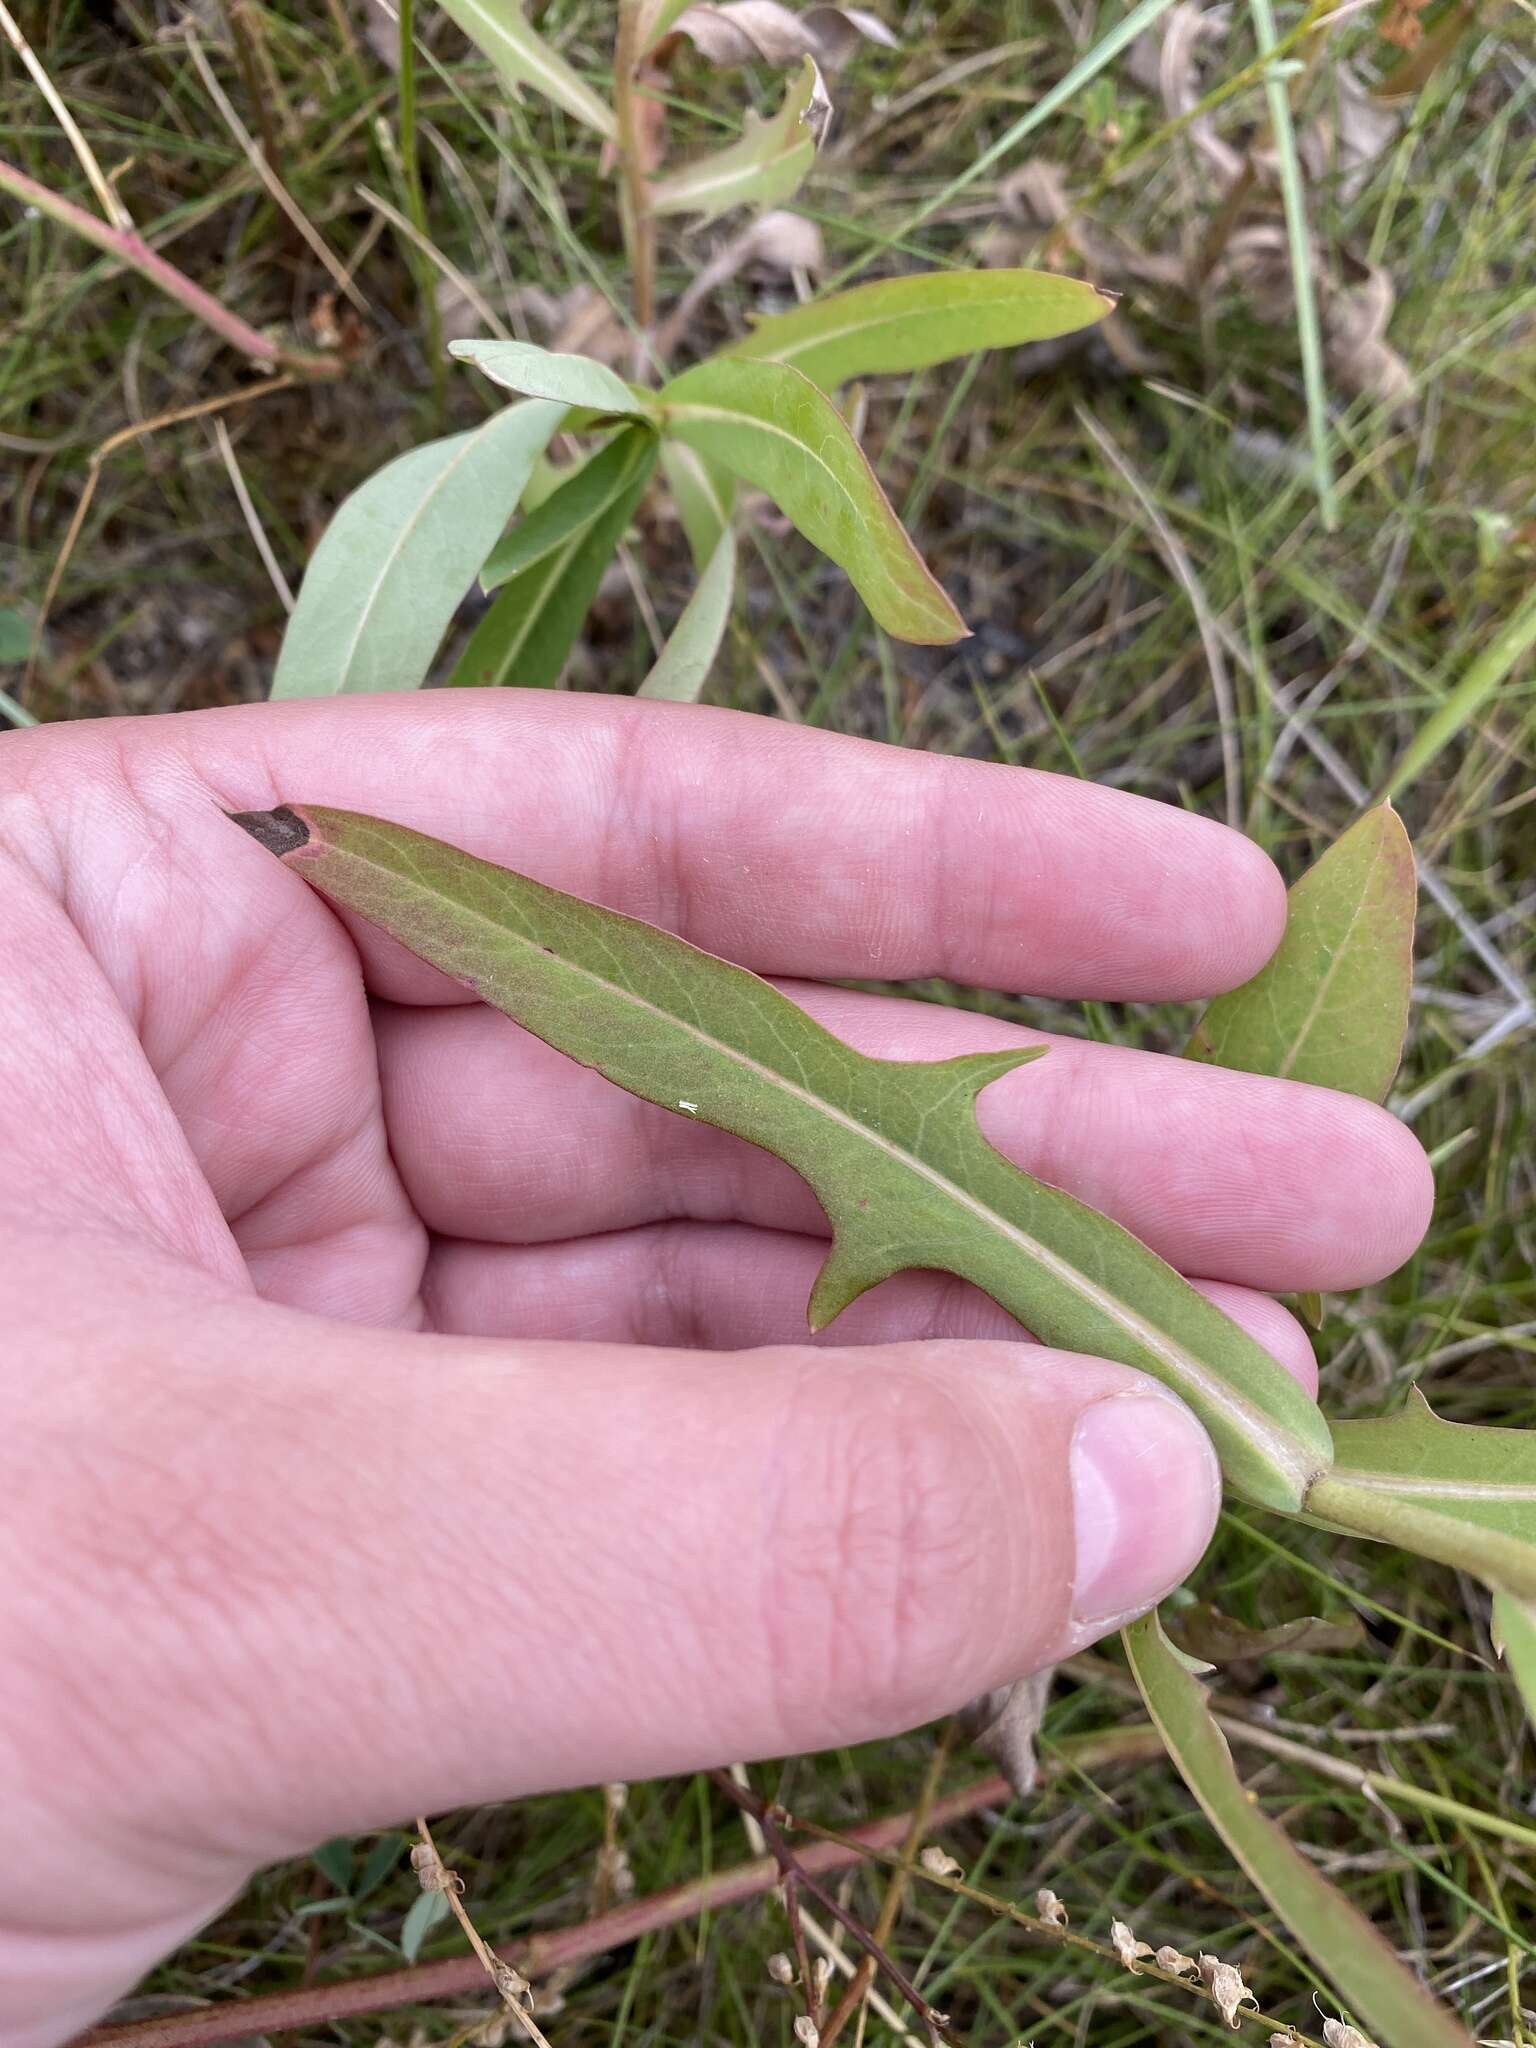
(280, 831)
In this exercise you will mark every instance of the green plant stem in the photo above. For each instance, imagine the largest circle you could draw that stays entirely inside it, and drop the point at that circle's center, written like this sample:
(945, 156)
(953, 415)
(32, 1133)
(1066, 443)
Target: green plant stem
(1343, 1503)
(131, 249)
(416, 208)
(634, 194)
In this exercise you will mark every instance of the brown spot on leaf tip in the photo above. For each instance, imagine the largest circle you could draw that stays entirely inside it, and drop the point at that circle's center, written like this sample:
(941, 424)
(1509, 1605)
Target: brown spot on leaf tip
(280, 831)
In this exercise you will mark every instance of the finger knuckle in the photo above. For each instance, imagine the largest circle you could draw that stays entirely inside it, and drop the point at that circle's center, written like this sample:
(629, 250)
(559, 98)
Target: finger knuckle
(878, 1563)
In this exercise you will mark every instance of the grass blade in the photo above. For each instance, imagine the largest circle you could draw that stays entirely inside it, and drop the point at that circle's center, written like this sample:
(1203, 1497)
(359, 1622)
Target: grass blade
(891, 1149)
(1468, 697)
(1309, 332)
(1384, 1996)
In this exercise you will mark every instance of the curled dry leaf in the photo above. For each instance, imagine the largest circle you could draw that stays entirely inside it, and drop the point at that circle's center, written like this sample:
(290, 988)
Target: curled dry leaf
(1166, 61)
(1049, 1908)
(779, 241)
(1003, 1725)
(1354, 314)
(1349, 133)
(1228, 1992)
(1123, 1941)
(763, 32)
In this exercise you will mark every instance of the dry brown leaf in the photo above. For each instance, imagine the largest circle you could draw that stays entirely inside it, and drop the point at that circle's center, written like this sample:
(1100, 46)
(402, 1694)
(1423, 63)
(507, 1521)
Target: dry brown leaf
(1401, 24)
(1003, 1724)
(764, 32)
(781, 242)
(1166, 61)
(1050, 1909)
(1228, 1992)
(1349, 134)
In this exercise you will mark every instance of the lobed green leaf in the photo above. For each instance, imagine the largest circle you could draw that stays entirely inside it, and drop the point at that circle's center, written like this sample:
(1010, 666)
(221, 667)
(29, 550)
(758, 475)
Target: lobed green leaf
(891, 1149)
(393, 565)
(770, 426)
(910, 323)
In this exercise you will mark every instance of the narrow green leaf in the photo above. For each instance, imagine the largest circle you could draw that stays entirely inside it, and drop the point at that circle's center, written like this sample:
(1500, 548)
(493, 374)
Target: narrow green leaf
(382, 1858)
(574, 502)
(685, 661)
(704, 496)
(527, 635)
(891, 1149)
(1457, 1491)
(1383, 1995)
(541, 373)
(909, 323)
(1508, 647)
(425, 1913)
(1331, 1006)
(770, 426)
(769, 163)
(1514, 1630)
(395, 562)
(521, 55)
(15, 634)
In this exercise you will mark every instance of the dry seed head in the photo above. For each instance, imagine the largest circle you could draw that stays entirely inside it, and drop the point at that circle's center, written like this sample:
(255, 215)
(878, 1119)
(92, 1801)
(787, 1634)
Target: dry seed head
(431, 1872)
(616, 1798)
(513, 1986)
(807, 2032)
(613, 1870)
(1225, 1983)
(1175, 1962)
(1125, 1945)
(781, 1969)
(1338, 2035)
(821, 1977)
(937, 1863)
(1050, 1909)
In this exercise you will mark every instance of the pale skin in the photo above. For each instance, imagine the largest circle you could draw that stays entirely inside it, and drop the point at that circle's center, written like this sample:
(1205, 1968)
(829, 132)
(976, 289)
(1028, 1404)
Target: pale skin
(395, 1416)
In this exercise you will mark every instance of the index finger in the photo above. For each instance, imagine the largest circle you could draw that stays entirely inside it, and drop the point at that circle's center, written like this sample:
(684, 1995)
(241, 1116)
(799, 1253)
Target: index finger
(792, 851)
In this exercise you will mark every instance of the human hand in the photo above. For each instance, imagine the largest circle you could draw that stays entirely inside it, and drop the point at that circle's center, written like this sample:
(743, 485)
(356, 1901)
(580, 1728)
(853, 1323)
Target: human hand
(335, 1484)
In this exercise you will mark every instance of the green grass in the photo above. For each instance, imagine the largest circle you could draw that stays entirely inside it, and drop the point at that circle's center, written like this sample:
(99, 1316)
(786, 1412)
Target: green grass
(1086, 658)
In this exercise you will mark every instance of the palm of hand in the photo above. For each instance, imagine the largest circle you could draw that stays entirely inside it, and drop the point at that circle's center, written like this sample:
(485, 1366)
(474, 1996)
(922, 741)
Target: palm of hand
(301, 1540)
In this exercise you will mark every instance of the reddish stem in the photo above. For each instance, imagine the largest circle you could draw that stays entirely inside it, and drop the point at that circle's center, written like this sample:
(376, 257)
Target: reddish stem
(536, 1956)
(136, 253)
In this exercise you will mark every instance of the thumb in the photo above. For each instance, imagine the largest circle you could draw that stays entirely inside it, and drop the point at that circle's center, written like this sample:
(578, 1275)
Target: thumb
(416, 1572)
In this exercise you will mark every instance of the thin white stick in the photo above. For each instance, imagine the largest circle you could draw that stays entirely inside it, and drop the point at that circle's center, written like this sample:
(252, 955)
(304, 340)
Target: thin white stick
(252, 517)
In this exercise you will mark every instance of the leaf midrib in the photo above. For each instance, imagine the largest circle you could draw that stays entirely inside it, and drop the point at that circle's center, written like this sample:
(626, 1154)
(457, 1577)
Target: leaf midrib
(1326, 979)
(1283, 1450)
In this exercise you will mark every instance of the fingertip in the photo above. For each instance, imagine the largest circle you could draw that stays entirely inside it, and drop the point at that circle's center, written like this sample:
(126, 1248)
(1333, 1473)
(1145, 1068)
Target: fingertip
(1146, 1489)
